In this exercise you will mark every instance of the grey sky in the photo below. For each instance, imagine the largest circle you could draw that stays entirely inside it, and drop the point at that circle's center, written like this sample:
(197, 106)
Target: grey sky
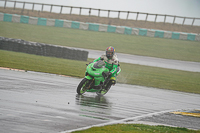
(186, 8)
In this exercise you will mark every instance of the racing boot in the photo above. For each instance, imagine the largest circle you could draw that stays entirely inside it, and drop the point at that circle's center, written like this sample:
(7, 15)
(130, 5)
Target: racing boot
(113, 80)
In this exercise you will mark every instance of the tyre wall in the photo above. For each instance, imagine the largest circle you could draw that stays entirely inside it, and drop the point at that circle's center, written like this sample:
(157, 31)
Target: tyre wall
(42, 49)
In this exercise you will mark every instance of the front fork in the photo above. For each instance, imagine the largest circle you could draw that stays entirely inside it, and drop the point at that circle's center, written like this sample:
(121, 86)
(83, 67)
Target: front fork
(90, 84)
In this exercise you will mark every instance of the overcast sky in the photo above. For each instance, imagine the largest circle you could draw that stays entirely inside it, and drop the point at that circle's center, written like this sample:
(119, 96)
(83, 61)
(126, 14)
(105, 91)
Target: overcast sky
(186, 8)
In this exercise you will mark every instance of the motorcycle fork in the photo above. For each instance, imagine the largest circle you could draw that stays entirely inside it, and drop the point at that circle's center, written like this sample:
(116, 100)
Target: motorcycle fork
(90, 84)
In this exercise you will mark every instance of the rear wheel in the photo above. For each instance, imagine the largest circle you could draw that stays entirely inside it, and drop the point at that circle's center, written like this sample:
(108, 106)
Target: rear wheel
(83, 86)
(104, 91)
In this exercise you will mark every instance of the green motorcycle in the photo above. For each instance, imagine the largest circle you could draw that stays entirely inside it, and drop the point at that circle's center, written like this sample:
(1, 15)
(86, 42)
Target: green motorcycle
(96, 79)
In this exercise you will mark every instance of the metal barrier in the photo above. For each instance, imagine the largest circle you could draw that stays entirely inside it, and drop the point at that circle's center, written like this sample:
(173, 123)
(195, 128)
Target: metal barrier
(101, 10)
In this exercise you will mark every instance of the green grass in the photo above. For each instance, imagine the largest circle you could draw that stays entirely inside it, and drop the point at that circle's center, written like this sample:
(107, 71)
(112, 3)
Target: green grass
(130, 44)
(42, 64)
(136, 128)
(160, 78)
(130, 74)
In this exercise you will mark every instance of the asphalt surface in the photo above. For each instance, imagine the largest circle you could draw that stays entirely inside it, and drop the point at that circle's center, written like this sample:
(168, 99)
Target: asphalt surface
(150, 61)
(37, 102)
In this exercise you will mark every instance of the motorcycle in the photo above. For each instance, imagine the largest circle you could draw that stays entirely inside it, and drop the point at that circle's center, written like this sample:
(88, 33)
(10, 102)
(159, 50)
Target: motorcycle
(97, 79)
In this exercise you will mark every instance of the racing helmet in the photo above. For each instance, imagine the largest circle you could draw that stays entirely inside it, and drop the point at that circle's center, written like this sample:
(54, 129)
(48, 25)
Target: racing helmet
(110, 51)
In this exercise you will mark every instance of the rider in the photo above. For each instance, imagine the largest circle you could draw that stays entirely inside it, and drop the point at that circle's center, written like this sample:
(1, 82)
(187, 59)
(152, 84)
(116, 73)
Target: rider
(111, 60)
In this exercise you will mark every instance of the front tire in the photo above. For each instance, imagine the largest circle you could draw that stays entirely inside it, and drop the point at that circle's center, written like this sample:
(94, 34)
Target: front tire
(104, 91)
(83, 86)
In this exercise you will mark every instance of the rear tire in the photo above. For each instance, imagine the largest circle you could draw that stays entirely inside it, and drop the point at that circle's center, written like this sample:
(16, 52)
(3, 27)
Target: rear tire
(83, 86)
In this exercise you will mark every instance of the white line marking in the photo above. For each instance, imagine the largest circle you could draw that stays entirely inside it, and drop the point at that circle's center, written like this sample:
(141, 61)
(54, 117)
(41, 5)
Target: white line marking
(118, 121)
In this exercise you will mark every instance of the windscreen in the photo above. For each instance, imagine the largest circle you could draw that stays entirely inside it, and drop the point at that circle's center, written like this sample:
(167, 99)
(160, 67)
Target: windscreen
(99, 64)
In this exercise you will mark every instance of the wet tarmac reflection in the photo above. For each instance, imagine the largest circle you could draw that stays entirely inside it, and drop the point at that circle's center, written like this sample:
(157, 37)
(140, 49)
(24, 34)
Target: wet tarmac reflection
(93, 101)
(95, 107)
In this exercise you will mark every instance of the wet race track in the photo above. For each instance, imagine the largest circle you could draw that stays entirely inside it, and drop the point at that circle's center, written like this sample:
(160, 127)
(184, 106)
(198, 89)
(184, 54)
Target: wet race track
(38, 102)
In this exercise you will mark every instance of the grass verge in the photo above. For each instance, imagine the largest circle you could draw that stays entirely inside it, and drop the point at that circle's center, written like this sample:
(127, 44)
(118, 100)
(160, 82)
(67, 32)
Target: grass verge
(131, 74)
(136, 128)
(130, 44)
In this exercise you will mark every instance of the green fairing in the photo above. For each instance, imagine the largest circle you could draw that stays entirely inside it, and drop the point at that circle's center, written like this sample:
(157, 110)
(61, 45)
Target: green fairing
(96, 73)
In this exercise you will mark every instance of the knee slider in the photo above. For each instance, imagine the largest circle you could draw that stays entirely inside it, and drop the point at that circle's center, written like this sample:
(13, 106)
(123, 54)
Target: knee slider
(113, 81)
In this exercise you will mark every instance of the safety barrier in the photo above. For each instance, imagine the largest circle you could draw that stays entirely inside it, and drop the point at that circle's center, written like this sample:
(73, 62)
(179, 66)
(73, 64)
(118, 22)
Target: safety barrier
(42, 49)
(98, 27)
(42, 7)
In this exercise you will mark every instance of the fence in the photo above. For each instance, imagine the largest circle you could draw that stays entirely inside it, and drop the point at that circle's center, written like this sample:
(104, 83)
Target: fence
(128, 13)
(98, 27)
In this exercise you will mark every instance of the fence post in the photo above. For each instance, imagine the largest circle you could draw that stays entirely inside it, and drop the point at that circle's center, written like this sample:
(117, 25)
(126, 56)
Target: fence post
(33, 7)
(174, 19)
(127, 15)
(23, 7)
(183, 21)
(108, 13)
(61, 9)
(89, 11)
(71, 10)
(51, 8)
(193, 21)
(99, 13)
(42, 7)
(164, 19)
(137, 16)
(155, 18)
(80, 11)
(14, 5)
(5, 4)
(118, 14)
(146, 17)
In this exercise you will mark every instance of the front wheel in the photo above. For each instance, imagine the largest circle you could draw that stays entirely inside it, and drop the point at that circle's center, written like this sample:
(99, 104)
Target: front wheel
(104, 91)
(83, 86)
